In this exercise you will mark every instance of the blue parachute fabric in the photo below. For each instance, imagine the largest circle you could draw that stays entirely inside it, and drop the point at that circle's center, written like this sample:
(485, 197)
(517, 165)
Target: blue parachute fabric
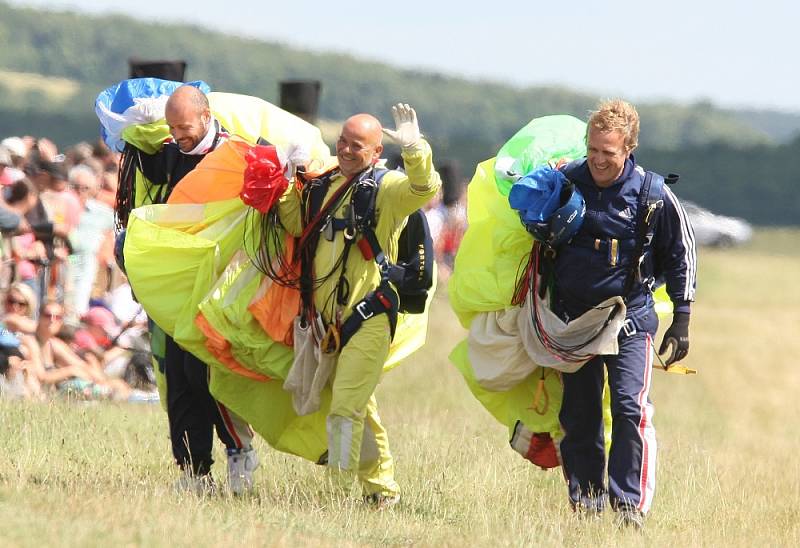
(118, 106)
(536, 196)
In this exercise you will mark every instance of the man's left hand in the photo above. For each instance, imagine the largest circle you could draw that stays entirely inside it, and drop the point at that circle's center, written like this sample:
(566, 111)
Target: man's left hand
(676, 339)
(407, 134)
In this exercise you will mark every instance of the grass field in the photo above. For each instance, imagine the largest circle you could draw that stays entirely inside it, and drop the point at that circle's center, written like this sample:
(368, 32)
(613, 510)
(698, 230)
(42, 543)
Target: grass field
(728, 472)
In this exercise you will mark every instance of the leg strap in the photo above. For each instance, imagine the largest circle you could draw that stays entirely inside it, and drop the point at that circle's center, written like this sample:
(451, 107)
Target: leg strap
(381, 301)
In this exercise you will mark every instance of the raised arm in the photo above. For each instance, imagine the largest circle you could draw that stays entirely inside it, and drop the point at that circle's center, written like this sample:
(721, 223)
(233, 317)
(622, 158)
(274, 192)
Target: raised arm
(401, 194)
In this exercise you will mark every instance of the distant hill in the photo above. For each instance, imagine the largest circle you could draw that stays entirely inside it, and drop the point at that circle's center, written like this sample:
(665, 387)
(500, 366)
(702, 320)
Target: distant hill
(93, 51)
(783, 127)
(53, 65)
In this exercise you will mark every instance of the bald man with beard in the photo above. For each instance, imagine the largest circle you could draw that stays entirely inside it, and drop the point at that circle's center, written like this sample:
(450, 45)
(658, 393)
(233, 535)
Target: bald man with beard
(339, 281)
(192, 412)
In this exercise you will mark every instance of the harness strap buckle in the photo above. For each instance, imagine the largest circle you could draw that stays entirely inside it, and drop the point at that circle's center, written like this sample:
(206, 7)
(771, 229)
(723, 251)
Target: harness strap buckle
(628, 328)
(652, 208)
(364, 310)
(328, 230)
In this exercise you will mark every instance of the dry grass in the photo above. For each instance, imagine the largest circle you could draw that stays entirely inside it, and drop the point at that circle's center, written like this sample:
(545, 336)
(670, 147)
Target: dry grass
(97, 475)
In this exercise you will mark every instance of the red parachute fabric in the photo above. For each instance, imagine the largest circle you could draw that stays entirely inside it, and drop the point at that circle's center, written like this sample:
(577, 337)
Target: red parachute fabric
(264, 181)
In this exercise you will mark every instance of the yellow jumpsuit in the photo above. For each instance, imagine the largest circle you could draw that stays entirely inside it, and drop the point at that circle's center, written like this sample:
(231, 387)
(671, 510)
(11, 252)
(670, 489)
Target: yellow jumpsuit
(351, 450)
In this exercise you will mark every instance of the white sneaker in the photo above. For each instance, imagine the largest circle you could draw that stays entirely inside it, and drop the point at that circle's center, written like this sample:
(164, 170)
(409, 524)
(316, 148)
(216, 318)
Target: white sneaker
(240, 471)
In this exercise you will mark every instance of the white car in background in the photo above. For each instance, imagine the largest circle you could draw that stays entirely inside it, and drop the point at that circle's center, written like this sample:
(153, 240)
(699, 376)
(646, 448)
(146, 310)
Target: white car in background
(716, 230)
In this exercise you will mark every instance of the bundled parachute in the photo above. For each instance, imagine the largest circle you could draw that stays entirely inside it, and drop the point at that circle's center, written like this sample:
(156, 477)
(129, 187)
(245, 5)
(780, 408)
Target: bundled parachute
(495, 359)
(492, 254)
(496, 242)
(187, 267)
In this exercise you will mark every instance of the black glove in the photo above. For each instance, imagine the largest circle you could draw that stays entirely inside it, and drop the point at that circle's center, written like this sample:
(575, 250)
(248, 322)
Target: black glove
(676, 338)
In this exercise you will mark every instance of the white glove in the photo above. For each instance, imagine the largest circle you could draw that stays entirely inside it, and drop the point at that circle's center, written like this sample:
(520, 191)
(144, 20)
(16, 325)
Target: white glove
(407, 134)
(292, 157)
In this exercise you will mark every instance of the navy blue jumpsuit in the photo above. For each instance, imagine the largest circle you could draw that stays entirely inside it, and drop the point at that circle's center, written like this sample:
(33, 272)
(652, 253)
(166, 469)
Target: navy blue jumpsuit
(587, 273)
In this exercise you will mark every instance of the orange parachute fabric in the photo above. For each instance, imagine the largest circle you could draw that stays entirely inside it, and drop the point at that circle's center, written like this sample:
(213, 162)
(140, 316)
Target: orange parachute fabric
(218, 176)
(221, 349)
(276, 309)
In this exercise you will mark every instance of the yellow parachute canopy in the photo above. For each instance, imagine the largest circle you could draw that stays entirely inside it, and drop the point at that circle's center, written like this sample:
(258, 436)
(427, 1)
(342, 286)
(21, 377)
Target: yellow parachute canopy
(187, 268)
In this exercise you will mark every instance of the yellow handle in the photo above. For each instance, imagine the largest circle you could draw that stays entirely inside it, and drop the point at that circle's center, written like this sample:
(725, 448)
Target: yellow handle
(540, 391)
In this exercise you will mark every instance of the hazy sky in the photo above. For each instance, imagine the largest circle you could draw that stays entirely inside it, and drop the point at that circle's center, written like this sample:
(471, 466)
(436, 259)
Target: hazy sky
(734, 53)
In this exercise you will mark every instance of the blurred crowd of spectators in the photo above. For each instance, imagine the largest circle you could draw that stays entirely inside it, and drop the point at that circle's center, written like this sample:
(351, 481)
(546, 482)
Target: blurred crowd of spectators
(68, 322)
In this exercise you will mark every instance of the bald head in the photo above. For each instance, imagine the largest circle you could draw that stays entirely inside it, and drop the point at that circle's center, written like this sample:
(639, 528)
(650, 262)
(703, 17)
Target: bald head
(188, 116)
(366, 126)
(187, 96)
(359, 144)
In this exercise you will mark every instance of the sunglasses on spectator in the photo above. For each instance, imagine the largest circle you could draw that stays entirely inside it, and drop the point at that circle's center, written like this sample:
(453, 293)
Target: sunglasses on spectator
(12, 301)
(53, 316)
(81, 188)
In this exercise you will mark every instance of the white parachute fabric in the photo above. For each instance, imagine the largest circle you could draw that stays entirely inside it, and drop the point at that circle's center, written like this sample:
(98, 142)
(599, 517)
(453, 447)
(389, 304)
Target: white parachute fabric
(310, 369)
(504, 349)
(145, 110)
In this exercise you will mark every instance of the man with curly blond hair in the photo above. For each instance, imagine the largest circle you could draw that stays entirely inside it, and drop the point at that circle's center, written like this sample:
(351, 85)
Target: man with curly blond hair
(634, 235)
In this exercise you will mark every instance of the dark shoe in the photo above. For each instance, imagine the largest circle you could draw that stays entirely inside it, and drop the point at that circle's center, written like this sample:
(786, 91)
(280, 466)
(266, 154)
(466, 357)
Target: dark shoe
(378, 501)
(630, 518)
(588, 512)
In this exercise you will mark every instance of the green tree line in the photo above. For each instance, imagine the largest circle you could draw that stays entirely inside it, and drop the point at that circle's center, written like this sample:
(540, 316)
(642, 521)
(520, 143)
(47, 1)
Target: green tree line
(466, 121)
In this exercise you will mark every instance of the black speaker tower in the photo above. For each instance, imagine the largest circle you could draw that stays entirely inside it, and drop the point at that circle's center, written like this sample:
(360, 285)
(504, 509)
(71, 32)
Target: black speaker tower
(301, 98)
(166, 70)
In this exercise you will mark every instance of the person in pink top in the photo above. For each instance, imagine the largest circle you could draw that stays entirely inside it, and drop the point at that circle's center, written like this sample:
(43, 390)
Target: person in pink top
(62, 205)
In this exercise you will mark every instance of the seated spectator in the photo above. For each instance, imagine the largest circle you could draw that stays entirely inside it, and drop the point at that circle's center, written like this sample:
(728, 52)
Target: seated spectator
(121, 352)
(95, 342)
(125, 308)
(102, 326)
(15, 379)
(56, 356)
(20, 304)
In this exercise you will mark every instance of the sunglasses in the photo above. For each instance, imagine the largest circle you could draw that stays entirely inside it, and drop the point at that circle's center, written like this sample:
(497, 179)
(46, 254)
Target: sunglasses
(12, 301)
(53, 316)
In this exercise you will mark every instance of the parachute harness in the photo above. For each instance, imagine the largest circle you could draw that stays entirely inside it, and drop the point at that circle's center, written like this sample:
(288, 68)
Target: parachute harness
(130, 163)
(295, 269)
(533, 285)
(126, 189)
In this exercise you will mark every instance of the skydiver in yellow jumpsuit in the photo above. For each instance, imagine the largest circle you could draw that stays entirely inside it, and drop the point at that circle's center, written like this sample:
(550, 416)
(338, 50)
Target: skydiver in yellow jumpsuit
(353, 417)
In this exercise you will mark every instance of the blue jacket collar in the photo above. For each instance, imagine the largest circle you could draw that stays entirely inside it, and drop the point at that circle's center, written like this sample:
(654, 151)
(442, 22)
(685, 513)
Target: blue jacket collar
(585, 176)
